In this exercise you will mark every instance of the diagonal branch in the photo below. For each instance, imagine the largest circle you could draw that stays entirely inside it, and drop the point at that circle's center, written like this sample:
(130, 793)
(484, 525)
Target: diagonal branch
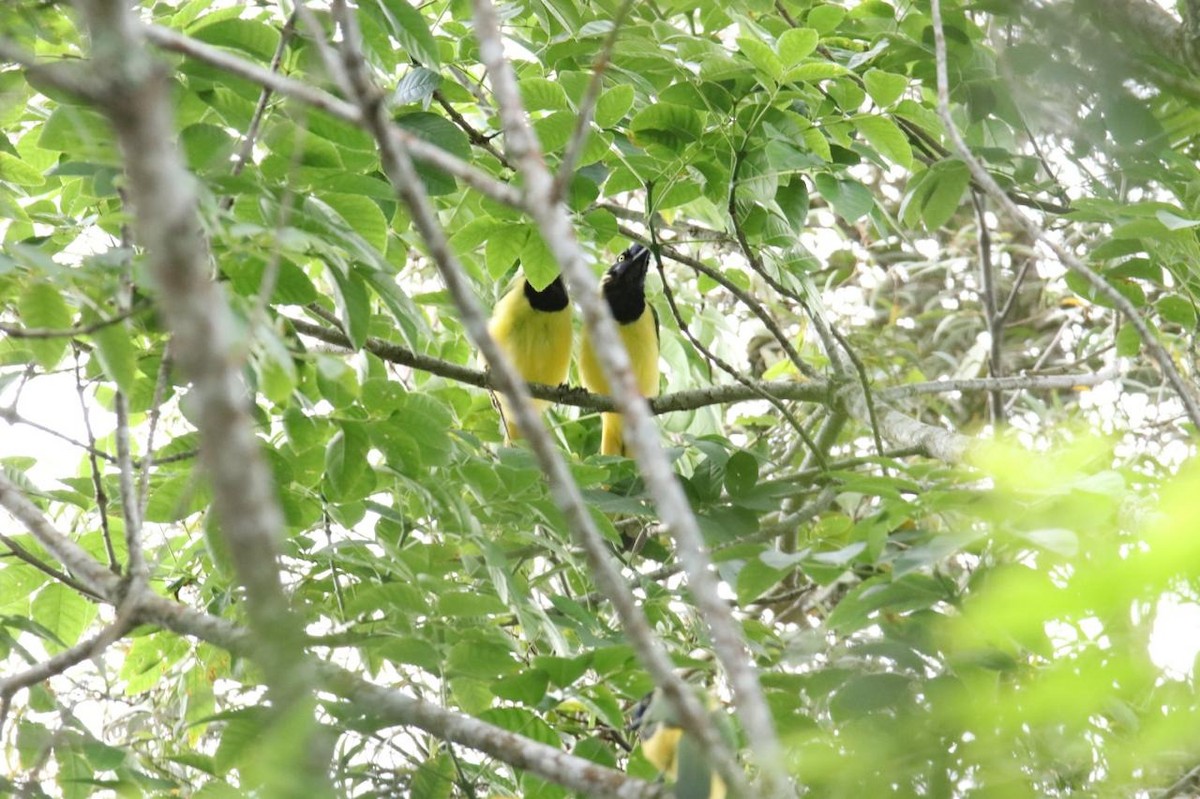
(587, 108)
(422, 150)
(557, 230)
(369, 700)
(399, 168)
(1187, 393)
(137, 103)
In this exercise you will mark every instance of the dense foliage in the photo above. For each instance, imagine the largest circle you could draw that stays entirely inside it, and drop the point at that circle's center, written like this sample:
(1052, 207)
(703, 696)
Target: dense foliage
(946, 588)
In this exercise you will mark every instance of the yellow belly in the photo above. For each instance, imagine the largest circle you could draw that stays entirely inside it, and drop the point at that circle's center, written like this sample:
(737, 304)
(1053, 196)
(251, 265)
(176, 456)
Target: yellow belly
(538, 344)
(641, 341)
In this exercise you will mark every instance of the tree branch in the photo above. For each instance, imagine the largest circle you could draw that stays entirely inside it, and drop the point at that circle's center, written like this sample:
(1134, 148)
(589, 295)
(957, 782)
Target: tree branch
(984, 179)
(555, 225)
(309, 95)
(137, 103)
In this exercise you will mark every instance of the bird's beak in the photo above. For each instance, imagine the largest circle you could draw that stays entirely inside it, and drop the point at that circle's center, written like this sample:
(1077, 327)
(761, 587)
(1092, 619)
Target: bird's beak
(633, 260)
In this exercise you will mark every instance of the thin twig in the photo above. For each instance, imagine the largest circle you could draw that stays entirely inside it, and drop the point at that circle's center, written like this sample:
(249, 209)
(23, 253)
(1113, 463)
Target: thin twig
(15, 331)
(642, 435)
(721, 364)
(476, 137)
(399, 169)
(160, 391)
(744, 297)
(995, 324)
(97, 478)
(21, 553)
(246, 147)
(587, 108)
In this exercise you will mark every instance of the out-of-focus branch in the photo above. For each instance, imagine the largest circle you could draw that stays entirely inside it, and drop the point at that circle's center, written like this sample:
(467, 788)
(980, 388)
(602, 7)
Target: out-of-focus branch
(555, 225)
(399, 169)
(146, 607)
(422, 150)
(137, 102)
(1145, 25)
(95, 579)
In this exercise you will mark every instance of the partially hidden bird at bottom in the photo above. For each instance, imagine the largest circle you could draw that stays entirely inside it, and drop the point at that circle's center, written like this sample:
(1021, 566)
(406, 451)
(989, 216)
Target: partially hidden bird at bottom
(675, 753)
(624, 289)
(534, 329)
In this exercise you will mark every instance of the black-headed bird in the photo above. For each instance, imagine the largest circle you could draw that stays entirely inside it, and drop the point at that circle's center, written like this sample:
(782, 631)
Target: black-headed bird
(624, 288)
(534, 330)
(676, 755)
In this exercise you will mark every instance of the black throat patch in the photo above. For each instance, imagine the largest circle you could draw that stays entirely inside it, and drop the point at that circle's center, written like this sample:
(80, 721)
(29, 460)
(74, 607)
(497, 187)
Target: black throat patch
(550, 299)
(625, 285)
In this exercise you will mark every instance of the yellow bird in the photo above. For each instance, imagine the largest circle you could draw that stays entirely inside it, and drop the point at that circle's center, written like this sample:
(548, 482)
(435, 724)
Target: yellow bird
(675, 754)
(534, 330)
(624, 288)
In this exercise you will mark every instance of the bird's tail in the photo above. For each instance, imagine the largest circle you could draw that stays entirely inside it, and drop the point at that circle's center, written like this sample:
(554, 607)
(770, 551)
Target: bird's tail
(612, 437)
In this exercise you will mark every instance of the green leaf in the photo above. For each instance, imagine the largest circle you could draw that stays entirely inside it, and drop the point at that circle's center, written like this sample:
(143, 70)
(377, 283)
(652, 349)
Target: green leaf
(886, 137)
(63, 612)
(826, 18)
(762, 57)
(445, 134)
(741, 473)
(478, 658)
(117, 355)
(80, 133)
(238, 739)
(14, 170)
(815, 71)
(416, 85)
(796, 44)
(539, 94)
(434, 778)
(411, 30)
(871, 693)
(555, 130)
(945, 186)
(849, 198)
(362, 215)
(885, 88)
(1129, 343)
(41, 306)
(336, 381)
(206, 147)
(672, 126)
(354, 306)
(249, 36)
(613, 105)
(346, 465)
(1177, 309)
(503, 248)
(526, 688)
(756, 577)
